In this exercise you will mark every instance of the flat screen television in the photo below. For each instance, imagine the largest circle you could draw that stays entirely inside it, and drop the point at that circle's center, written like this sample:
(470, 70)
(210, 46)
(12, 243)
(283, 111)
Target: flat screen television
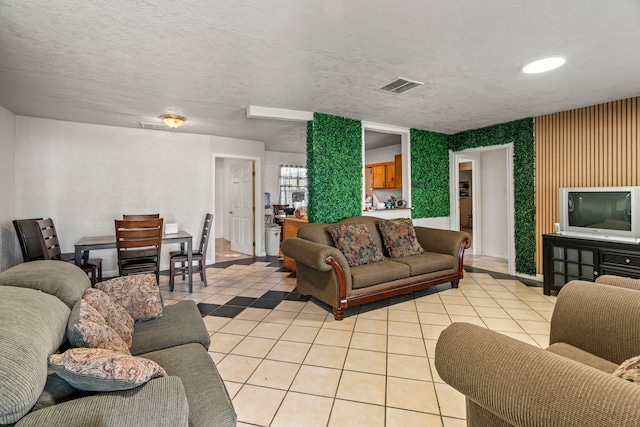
(606, 213)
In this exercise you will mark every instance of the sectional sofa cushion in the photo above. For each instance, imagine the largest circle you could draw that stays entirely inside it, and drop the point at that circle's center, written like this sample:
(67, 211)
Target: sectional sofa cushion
(33, 326)
(87, 328)
(139, 294)
(61, 279)
(181, 323)
(115, 315)
(97, 369)
(399, 237)
(355, 242)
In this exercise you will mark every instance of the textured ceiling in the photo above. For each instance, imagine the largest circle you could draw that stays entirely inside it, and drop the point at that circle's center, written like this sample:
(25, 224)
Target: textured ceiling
(122, 62)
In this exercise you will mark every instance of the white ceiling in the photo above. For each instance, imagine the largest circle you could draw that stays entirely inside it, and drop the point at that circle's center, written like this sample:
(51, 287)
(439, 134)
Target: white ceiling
(120, 62)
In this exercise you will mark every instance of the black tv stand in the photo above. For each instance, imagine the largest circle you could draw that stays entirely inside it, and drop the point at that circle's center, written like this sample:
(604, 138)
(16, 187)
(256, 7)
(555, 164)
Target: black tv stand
(566, 258)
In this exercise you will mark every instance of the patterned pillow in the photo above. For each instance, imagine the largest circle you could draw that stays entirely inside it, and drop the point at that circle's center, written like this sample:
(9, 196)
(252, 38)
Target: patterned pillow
(87, 328)
(96, 369)
(629, 370)
(355, 242)
(114, 314)
(139, 294)
(399, 237)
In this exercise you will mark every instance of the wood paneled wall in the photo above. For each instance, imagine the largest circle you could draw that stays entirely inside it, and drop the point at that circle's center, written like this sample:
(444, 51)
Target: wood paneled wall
(594, 146)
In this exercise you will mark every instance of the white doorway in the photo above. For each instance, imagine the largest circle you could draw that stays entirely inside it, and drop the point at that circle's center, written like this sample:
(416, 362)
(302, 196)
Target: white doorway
(242, 207)
(491, 203)
(235, 193)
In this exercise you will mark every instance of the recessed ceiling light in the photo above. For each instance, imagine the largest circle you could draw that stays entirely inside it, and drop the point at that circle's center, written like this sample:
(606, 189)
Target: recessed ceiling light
(544, 65)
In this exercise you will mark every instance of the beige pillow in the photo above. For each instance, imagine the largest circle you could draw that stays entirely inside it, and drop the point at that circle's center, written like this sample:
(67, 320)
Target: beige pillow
(139, 294)
(114, 314)
(87, 328)
(96, 369)
(629, 370)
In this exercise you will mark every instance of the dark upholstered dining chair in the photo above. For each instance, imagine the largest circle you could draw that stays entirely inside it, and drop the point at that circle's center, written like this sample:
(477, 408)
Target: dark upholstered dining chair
(139, 244)
(140, 216)
(29, 239)
(199, 255)
(50, 247)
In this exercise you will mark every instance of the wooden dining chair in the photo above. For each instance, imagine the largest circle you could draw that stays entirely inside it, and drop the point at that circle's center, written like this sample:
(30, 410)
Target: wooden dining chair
(140, 216)
(138, 244)
(50, 248)
(200, 255)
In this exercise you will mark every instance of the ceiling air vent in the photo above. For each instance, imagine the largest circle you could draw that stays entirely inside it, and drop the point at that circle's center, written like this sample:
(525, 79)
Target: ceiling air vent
(158, 126)
(400, 85)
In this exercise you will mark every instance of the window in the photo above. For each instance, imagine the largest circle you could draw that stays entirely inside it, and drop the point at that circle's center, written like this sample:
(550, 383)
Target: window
(293, 184)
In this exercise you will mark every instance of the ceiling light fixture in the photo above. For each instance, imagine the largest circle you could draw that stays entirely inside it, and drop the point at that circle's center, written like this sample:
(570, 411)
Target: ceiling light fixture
(172, 120)
(543, 65)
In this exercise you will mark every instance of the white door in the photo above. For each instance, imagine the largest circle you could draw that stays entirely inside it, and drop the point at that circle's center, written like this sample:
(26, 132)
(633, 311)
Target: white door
(242, 207)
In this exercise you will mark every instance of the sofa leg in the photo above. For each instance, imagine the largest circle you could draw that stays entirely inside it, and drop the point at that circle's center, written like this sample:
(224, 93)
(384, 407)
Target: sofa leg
(338, 313)
(455, 284)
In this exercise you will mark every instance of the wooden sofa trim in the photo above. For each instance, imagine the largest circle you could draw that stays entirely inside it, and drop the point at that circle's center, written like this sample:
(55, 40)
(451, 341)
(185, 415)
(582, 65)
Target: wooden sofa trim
(345, 301)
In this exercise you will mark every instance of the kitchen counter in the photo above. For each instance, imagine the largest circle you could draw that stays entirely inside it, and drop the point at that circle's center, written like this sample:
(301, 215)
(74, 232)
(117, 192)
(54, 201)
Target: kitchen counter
(389, 213)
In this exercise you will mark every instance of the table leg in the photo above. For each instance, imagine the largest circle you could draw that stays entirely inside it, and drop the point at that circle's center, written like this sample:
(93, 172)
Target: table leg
(190, 263)
(78, 256)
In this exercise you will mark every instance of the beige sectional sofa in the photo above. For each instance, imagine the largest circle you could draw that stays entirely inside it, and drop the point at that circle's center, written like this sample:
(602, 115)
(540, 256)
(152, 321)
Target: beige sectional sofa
(323, 271)
(595, 327)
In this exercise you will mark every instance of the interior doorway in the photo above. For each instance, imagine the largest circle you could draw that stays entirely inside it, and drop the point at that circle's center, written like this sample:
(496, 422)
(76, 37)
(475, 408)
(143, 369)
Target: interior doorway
(488, 172)
(238, 230)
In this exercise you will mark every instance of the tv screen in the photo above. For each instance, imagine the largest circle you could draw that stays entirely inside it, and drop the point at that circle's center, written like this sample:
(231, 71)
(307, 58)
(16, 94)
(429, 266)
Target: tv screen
(607, 210)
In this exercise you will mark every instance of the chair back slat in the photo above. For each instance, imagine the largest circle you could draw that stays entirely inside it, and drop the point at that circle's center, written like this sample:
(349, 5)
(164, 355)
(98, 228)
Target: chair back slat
(49, 239)
(141, 216)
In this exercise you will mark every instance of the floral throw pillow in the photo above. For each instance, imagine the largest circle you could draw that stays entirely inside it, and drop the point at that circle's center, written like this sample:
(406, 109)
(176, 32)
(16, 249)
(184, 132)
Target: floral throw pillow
(138, 294)
(96, 369)
(399, 237)
(114, 314)
(355, 242)
(87, 328)
(629, 370)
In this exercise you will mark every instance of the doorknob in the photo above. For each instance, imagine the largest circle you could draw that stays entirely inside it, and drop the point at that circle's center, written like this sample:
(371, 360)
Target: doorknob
(231, 212)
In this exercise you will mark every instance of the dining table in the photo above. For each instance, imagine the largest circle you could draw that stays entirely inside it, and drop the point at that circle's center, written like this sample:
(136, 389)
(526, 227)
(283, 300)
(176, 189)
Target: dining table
(89, 243)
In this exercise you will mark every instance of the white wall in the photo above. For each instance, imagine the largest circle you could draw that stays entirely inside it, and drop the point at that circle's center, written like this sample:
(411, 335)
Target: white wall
(84, 176)
(9, 248)
(495, 241)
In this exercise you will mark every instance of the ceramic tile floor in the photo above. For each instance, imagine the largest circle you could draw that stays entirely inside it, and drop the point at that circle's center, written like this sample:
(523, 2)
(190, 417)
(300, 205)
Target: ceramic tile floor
(294, 365)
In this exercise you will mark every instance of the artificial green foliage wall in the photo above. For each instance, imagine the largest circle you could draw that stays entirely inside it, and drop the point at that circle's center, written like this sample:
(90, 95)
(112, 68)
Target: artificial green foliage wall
(334, 168)
(519, 132)
(429, 174)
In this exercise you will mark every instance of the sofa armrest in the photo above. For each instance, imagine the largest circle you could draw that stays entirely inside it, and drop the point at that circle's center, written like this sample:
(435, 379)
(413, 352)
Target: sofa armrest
(528, 387)
(442, 241)
(622, 282)
(313, 254)
(160, 402)
(599, 319)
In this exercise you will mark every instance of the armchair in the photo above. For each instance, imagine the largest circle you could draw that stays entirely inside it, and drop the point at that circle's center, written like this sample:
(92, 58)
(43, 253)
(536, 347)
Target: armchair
(594, 328)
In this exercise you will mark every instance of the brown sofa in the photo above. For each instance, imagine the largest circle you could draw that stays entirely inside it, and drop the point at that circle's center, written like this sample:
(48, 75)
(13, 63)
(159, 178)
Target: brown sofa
(594, 328)
(323, 272)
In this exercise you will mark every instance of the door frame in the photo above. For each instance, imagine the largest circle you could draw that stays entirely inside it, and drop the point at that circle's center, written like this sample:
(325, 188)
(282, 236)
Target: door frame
(454, 173)
(258, 200)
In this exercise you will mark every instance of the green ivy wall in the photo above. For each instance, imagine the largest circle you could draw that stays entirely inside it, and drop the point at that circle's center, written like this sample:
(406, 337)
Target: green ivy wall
(334, 162)
(429, 174)
(334, 168)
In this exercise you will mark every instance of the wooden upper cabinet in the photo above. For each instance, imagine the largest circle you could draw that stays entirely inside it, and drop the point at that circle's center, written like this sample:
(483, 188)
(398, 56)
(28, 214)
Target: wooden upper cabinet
(398, 170)
(379, 176)
(386, 175)
(390, 173)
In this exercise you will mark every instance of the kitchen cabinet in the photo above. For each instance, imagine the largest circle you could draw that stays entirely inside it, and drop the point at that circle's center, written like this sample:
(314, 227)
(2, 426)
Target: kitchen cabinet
(385, 175)
(398, 170)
